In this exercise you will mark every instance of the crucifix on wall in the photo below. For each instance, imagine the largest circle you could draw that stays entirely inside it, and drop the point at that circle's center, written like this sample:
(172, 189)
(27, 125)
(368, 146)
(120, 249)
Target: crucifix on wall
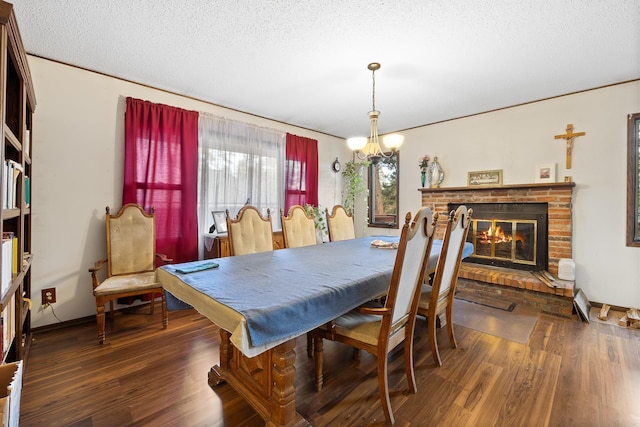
(569, 137)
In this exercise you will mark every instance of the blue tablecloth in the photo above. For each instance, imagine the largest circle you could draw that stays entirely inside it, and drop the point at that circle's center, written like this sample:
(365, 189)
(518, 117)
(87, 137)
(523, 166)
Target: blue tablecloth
(288, 292)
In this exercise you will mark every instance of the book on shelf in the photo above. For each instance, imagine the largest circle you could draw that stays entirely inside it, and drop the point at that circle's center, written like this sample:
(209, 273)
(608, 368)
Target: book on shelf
(27, 191)
(6, 173)
(8, 326)
(12, 171)
(14, 255)
(26, 144)
(7, 262)
(17, 170)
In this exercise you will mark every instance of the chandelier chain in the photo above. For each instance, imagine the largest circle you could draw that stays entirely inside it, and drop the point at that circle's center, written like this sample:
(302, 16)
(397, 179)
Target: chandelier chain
(373, 97)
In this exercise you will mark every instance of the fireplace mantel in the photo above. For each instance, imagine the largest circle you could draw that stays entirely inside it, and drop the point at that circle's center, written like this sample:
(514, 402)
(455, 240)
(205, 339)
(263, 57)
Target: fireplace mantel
(538, 186)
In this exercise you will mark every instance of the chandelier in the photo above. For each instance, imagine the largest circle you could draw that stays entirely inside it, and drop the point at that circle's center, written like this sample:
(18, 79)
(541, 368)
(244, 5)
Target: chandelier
(369, 148)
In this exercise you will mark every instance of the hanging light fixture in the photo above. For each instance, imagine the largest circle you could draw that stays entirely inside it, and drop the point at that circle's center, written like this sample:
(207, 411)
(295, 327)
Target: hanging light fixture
(369, 148)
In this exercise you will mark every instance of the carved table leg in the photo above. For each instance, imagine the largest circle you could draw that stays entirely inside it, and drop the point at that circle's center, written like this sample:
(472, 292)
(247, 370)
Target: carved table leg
(284, 392)
(216, 375)
(265, 381)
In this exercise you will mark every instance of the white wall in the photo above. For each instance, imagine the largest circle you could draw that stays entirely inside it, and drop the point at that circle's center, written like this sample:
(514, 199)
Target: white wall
(519, 138)
(78, 138)
(77, 154)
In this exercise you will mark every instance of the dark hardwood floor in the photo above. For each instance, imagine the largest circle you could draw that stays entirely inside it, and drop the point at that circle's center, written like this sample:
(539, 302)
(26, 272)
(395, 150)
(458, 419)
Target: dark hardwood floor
(569, 373)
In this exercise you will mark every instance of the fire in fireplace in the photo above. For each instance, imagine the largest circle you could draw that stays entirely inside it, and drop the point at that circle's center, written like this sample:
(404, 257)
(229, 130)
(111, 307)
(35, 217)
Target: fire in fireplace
(511, 235)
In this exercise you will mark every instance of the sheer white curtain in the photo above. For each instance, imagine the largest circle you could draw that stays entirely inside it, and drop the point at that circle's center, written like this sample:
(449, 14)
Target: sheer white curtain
(240, 163)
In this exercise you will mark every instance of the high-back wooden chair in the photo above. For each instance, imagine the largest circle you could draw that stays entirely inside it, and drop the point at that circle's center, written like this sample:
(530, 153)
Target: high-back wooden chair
(340, 224)
(437, 297)
(298, 228)
(249, 233)
(378, 330)
(131, 256)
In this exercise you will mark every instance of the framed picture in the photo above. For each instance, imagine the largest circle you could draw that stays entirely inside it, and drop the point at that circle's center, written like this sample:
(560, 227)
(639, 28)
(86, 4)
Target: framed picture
(493, 177)
(546, 173)
(220, 221)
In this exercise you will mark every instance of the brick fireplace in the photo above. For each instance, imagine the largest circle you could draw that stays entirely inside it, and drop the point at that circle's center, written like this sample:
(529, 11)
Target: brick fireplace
(505, 283)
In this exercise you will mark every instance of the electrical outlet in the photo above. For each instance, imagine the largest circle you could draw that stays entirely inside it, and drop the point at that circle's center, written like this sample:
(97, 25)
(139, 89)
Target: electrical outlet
(48, 296)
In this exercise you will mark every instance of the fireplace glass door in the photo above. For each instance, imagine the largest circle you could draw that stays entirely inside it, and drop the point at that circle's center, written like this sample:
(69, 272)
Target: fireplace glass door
(511, 235)
(508, 240)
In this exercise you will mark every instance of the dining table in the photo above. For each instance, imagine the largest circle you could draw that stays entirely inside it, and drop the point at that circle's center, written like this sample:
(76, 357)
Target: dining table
(262, 302)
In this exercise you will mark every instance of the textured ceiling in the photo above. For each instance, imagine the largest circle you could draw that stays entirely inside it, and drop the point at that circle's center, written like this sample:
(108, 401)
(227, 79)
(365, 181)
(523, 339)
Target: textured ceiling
(305, 62)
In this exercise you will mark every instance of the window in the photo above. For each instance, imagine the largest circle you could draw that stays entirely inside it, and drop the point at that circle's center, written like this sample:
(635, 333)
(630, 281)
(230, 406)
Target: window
(239, 177)
(633, 186)
(239, 164)
(383, 192)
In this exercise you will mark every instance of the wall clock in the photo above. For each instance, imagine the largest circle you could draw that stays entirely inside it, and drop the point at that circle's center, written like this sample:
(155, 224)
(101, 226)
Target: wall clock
(335, 166)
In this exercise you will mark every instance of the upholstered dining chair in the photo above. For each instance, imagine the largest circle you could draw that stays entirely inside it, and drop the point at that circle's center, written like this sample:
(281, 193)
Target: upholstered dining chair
(249, 232)
(437, 298)
(131, 257)
(380, 329)
(340, 224)
(298, 228)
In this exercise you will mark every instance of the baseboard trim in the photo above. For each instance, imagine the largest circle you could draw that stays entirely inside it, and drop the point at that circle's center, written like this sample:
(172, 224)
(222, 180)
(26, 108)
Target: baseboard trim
(611, 307)
(62, 325)
(82, 320)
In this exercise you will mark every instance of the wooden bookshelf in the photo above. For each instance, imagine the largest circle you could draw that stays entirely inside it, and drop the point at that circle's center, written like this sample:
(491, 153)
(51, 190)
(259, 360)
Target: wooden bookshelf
(16, 112)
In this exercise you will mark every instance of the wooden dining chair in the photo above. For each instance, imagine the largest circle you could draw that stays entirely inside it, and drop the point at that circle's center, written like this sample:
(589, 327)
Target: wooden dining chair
(131, 256)
(298, 227)
(249, 232)
(437, 298)
(340, 224)
(380, 329)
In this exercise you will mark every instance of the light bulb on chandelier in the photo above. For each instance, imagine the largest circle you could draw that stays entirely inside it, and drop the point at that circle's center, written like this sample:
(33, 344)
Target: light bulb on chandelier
(369, 148)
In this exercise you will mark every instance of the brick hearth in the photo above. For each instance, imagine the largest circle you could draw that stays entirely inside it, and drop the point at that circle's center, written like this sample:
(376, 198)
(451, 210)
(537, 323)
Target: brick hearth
(516, 285)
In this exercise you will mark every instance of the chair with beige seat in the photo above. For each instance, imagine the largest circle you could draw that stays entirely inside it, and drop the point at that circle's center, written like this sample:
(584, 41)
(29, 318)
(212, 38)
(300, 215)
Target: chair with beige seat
(131, 256)
(298, 228)
(379, 330)
(437, 298)
(340, 224)
(249, 233)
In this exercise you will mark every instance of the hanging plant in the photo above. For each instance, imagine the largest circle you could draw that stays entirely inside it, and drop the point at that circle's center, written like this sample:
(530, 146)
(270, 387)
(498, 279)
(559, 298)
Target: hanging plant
(318, 217)
(354, 183)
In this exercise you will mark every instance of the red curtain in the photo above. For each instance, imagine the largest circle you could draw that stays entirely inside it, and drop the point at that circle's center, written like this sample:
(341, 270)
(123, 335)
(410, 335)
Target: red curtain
(301, 185)
(160, 171)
